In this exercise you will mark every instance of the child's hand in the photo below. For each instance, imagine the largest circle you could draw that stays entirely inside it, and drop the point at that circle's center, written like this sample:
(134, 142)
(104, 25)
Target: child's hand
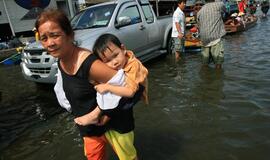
(102, 88)
(103, 120)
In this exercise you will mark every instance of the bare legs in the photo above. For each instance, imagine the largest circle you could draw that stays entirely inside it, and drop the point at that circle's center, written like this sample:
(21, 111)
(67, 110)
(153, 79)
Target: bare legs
(177, 56)
(218, 66)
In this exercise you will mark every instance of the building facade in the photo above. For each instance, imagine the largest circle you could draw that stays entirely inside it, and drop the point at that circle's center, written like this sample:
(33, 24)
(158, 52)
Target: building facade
(17, 17)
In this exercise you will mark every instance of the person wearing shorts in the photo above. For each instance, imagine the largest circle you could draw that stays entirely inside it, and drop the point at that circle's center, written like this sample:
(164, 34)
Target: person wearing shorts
(213, 53)
(178, 29)
(178, 46)
(211, 31)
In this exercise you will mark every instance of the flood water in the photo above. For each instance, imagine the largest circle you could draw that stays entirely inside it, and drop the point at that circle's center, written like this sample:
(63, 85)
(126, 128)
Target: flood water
(194, 113)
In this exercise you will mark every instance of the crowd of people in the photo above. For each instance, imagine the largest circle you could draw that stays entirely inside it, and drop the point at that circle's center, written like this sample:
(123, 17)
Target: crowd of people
(211, 19)
(211, 30)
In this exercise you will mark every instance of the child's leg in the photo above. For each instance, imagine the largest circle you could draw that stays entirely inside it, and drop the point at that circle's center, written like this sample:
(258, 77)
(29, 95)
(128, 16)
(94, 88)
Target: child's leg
(89, 118)
(95, 147)
(123, 144)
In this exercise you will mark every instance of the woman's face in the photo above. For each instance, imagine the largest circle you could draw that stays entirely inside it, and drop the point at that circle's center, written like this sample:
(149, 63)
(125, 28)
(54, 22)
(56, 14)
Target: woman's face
(54, 39)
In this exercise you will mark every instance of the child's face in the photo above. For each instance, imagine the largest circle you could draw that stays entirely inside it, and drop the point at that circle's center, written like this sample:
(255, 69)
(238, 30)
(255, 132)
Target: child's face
(114, 56)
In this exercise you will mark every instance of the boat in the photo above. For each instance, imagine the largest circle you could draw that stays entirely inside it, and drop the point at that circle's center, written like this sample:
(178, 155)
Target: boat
(12, 60)
(241, 26)
(13, 57)
(192, 41)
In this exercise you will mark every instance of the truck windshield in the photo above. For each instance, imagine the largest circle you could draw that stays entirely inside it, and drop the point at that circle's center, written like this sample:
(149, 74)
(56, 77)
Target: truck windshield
(93, 17)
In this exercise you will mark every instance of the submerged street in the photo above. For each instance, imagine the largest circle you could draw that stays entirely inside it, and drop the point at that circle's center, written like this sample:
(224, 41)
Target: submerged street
(194, 113)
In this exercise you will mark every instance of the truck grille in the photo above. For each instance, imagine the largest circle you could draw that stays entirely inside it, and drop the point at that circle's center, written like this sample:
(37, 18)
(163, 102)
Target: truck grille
(33, 60)
(40, 70)
(36, 52)
(36, 56)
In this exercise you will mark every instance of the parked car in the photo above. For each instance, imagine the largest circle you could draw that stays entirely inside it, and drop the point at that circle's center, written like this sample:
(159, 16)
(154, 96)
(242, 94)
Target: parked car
(133, 22)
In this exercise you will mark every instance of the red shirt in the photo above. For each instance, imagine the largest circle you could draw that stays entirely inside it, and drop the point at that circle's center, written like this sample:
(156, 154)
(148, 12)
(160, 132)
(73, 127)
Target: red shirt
(242, 6)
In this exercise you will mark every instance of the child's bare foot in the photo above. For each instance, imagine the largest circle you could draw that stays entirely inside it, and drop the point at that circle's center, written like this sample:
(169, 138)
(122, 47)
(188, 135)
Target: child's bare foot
(89, 118)
(85, 120)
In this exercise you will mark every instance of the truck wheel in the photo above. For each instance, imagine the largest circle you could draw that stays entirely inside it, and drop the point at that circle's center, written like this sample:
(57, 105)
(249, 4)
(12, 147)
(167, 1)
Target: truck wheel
(169, 46)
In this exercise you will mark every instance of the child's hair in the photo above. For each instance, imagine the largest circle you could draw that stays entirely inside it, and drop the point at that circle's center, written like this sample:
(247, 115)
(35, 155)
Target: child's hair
(102, 43)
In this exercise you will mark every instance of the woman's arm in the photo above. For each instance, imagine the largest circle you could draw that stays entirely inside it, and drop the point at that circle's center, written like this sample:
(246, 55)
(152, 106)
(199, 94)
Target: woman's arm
(100, 72)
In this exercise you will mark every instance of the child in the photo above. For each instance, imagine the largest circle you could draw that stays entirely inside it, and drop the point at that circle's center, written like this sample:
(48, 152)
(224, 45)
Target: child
(110, 50)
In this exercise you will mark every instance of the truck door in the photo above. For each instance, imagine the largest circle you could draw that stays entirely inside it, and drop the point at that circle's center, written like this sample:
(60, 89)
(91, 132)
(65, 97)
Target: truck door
(132, 35)
(155, 37)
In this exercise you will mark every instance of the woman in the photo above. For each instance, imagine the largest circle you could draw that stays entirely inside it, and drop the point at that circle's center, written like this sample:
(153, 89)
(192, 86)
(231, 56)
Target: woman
(78, 68)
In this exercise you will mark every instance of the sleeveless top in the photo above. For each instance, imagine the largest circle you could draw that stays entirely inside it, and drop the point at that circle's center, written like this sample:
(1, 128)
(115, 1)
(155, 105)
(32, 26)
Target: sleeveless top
(82, 95)
(82, 98)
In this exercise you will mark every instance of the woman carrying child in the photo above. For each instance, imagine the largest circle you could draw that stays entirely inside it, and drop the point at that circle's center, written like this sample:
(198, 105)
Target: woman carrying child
(78, 67)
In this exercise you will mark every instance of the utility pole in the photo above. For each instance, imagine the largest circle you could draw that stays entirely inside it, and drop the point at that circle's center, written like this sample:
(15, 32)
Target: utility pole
(157, 8)
(71, 9)
(9, 21)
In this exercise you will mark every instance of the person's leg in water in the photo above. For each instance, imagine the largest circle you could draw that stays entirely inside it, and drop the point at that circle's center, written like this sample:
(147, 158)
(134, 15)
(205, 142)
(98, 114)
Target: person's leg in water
(177, 48)
(177, 55)
(218, 66)
(218, 54)
(205, 56)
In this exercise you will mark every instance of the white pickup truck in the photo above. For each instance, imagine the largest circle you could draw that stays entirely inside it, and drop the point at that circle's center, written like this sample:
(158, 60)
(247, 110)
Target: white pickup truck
(132, 21)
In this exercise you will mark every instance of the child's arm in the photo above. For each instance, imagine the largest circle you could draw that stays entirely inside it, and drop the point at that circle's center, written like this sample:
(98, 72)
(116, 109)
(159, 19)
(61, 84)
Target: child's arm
(89, 118)
(122, 91)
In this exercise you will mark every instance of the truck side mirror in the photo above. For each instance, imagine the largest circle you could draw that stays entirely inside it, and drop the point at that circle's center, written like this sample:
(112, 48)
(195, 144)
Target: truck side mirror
(122, 21)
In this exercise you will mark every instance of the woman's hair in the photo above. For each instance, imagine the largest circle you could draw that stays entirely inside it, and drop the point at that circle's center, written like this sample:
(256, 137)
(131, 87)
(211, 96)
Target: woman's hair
(102, 43)
(56, 16)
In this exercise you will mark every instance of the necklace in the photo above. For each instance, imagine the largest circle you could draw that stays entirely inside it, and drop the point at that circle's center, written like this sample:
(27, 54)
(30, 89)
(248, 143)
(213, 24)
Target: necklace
(69, 63)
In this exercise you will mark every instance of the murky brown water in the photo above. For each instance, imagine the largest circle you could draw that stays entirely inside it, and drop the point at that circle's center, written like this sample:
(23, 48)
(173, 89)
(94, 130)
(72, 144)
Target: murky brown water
(194, 114)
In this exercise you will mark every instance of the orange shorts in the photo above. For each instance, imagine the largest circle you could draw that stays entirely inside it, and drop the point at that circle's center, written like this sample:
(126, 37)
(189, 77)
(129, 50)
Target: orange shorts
(95, 147)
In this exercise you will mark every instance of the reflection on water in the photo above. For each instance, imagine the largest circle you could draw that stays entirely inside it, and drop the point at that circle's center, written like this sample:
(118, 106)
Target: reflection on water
(195, 113)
